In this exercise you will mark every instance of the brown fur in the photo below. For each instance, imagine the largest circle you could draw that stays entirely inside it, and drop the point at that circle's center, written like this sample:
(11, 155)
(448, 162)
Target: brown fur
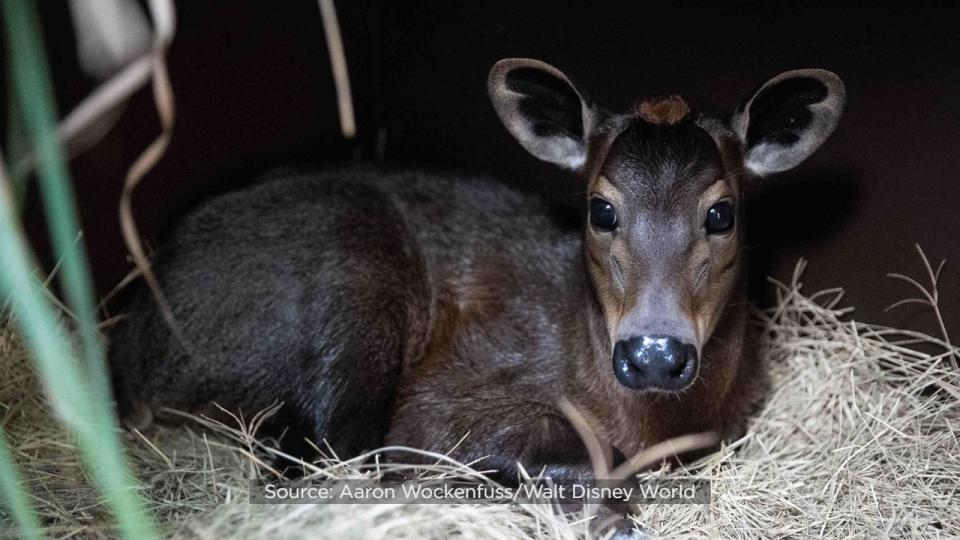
(451, 314)
(662, 110)
(509, 412)
(731, 381)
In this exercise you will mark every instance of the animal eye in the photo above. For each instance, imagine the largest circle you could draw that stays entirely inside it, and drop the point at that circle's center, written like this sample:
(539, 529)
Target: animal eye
(602, 214)
(719, 218)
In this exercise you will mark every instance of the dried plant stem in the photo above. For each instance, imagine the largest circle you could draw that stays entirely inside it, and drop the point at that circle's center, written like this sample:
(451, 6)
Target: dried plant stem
(162, 13)
(929, 297)
(338, 64)
(850, 443)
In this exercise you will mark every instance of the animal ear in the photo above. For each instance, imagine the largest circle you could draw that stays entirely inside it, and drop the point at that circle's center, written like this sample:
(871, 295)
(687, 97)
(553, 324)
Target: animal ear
(788, 118)
(543, 110)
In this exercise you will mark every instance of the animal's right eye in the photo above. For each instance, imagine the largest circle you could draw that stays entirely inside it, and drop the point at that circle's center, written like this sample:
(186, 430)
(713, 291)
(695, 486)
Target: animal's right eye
(602, 214)
(719, 218)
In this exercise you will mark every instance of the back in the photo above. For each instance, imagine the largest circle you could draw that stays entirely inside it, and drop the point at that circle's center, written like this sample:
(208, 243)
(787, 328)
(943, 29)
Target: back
(287, 288)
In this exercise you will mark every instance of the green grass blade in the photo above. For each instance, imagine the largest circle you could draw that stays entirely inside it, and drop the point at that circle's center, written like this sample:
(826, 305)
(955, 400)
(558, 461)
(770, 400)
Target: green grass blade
(16, 145)
(84, 395)
(34, 93)
(12, 493)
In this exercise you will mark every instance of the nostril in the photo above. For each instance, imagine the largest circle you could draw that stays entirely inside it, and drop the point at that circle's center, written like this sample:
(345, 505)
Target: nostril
(624, 354)
(678, 369)
(688, 360)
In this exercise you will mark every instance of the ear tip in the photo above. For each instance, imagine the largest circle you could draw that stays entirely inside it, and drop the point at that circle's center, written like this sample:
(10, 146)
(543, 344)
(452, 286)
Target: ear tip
(498, 72)
(831, 77)
(839, 87)
(836, 87)
(496, 79)
(833, 81)
(505, 65)
(518, 61)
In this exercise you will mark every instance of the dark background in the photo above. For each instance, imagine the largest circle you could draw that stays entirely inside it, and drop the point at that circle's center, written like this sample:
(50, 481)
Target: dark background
(253, 90)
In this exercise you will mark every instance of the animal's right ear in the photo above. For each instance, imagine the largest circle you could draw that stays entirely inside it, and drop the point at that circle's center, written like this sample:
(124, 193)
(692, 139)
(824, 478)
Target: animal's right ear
(544, 111)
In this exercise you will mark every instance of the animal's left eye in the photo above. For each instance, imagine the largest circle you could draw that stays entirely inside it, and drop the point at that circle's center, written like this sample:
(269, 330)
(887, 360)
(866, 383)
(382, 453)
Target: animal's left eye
(602, 214)
(719, 218)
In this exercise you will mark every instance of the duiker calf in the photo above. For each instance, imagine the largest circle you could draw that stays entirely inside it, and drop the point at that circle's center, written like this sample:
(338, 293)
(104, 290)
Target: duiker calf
(413, 309)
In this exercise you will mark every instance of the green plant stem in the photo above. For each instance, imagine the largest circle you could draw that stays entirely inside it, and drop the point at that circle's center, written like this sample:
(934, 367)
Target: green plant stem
(34, 93)
(12, 489)
(84, 394)
(16, 148)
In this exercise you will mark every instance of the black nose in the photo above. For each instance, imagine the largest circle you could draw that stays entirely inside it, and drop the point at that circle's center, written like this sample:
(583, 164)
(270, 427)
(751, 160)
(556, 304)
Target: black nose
(655, 363)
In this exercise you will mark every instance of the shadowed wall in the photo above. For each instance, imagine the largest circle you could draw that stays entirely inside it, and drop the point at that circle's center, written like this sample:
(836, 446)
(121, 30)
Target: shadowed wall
(253, 90)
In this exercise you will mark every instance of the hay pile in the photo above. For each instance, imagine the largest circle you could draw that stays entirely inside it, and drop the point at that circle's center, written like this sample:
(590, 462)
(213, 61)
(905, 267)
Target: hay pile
(860, 436)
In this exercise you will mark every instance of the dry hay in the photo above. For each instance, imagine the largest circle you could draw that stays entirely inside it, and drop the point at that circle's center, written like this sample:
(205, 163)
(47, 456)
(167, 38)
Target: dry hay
(860, 436)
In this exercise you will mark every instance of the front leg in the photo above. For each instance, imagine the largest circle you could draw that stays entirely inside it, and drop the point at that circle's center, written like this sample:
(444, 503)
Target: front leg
(497, 441)
(554, 450)
(547, 447)
(530, 436)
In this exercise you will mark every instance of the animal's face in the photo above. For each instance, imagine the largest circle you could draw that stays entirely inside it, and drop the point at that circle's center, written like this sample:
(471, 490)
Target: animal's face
(664, 185)
(662, 243)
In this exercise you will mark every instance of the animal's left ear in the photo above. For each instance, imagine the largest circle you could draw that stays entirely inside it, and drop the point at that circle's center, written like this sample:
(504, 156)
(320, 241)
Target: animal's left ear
(788, 118)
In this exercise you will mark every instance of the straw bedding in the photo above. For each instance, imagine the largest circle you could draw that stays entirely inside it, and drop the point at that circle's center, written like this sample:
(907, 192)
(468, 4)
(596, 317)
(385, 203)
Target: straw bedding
(860, 436)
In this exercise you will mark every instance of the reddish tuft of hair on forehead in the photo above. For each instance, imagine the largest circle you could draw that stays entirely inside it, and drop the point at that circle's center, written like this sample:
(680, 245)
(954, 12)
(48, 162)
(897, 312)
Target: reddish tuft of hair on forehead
(661, 109)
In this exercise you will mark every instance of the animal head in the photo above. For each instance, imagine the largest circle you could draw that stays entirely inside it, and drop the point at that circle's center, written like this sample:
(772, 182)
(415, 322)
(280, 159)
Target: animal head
(664, 187)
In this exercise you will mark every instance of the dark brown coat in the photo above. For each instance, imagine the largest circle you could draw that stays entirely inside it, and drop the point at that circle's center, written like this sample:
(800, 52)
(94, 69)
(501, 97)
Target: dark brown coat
(420, 310)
